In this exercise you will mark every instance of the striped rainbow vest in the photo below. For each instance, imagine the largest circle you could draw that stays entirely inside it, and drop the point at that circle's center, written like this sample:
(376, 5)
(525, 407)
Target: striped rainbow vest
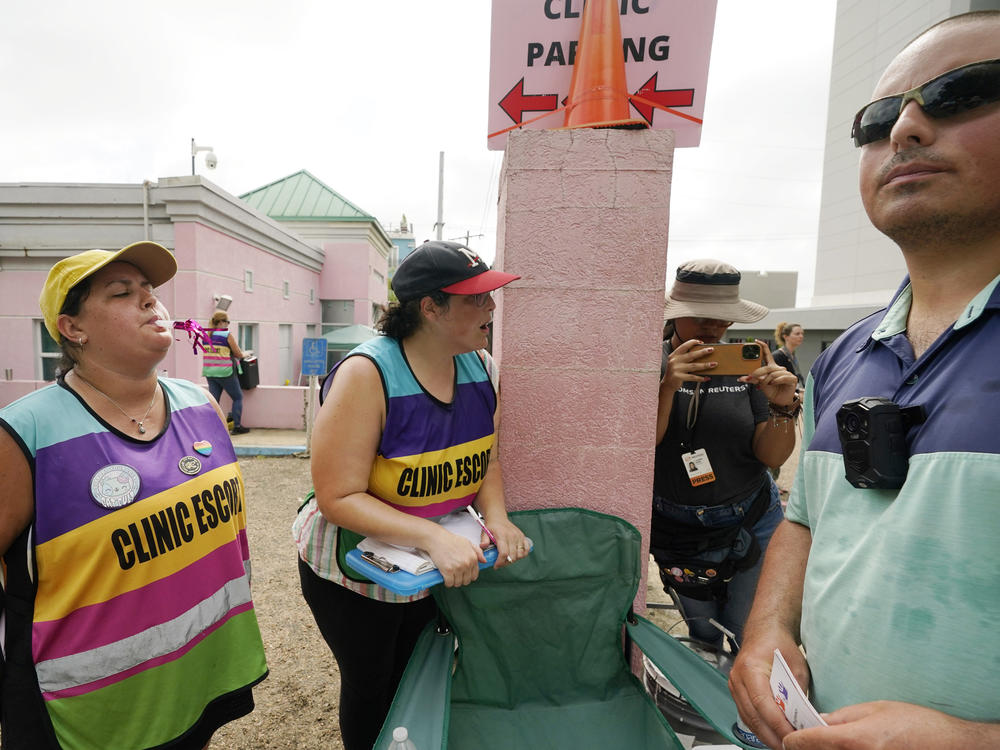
(432, 457)
(217, 359)
(128, 601)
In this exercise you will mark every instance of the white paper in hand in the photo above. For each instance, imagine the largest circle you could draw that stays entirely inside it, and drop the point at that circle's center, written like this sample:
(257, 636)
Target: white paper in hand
(410, 559)
(790, 697)
(417, 561)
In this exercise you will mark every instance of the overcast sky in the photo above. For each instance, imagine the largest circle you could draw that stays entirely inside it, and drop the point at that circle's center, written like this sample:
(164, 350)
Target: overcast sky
(365, 94)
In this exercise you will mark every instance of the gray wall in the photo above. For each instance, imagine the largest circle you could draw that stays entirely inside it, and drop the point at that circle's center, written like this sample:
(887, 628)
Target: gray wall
(773, 289)
(821, 326)
(855, 263)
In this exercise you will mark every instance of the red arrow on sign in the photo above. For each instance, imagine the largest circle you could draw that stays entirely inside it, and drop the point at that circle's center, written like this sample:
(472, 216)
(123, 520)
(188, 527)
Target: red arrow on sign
(515, 103)
(665, 98)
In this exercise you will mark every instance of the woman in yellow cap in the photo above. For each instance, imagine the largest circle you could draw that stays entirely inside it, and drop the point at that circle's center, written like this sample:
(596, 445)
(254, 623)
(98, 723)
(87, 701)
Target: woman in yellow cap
(129, 620)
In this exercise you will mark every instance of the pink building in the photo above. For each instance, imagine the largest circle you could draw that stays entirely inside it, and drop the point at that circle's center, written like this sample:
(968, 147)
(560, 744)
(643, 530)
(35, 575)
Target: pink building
(292, 260)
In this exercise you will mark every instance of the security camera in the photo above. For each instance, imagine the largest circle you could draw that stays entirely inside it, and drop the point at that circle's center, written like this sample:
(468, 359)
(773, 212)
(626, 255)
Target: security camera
(211, 161)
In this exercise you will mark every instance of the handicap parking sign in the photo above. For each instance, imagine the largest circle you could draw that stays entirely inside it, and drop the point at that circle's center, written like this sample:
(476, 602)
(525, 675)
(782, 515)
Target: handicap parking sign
(314, 356)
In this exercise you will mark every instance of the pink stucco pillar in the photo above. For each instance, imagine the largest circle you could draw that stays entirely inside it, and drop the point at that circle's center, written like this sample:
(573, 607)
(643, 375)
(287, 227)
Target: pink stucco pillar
(583, 218)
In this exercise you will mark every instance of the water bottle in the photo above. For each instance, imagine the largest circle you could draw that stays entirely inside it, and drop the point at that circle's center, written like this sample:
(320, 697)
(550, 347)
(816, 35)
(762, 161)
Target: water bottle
(401, 740)
(744, 734)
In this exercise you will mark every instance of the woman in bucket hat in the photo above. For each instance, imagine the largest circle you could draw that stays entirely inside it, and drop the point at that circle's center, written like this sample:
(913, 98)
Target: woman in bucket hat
(405, 434)
(715, 505)
(129, 618)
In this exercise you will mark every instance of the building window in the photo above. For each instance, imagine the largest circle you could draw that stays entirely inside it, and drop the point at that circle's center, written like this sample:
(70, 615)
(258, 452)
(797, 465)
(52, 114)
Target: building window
(312, 296)
(337, 313)
(380, 277)
(248, 281)
(285, 353)
(285, 289)
(247, 335)
(49, 352)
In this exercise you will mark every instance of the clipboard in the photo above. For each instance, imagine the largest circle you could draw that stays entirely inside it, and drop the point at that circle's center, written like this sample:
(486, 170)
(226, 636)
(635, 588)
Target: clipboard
(401, 582)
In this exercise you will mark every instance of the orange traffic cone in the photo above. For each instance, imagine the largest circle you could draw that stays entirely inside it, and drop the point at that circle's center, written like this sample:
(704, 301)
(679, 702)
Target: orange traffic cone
(598, 94)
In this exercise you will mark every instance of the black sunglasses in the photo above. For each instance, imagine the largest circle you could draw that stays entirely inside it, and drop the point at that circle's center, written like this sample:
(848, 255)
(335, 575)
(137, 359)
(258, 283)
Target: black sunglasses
(951, 93)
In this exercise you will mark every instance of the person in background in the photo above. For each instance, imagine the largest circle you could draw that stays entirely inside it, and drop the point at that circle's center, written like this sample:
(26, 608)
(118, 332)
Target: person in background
(220, 363)
(715, 505)
(884, 600)
(788, 337)
(418, 399)
(127, 618)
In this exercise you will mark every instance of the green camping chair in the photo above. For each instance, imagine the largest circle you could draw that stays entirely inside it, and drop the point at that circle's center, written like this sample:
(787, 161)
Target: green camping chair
(540, 661)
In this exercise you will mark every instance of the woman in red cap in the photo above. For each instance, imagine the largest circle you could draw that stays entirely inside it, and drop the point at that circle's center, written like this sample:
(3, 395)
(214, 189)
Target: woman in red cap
(406, 434)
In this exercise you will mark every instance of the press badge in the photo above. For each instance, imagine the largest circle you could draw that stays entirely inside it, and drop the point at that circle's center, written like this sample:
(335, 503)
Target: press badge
(698, 467)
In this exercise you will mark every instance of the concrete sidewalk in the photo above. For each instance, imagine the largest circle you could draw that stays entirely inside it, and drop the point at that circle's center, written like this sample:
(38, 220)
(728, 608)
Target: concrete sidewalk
(263, 441)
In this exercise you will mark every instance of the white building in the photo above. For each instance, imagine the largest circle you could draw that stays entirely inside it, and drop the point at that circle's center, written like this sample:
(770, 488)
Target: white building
(855, 263)
(857, 267)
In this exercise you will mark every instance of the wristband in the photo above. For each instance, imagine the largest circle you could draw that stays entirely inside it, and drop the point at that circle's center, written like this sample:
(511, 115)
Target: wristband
(791, 411)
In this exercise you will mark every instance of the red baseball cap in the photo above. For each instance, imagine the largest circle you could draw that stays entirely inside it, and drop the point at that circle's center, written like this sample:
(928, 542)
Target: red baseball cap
(446, 267)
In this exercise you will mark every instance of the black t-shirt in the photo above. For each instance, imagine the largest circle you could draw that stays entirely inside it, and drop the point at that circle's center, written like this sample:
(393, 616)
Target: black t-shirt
(728, 414)
(791, 363)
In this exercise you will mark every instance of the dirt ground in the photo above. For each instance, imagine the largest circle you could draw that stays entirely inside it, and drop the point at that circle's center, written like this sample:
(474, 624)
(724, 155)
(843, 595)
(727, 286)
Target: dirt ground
(296, 704)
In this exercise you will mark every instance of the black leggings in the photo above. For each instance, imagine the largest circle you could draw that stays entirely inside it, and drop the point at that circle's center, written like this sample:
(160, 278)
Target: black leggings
(372, 642)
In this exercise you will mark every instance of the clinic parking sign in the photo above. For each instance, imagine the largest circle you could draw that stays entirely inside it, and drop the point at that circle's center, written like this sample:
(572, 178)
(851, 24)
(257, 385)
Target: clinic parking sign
(667, 45)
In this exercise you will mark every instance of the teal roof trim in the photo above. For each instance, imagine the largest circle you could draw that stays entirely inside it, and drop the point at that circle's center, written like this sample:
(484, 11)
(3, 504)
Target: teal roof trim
(302, 197)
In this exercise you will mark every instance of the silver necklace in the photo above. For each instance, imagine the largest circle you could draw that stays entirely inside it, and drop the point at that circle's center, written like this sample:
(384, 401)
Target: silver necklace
(136, 422)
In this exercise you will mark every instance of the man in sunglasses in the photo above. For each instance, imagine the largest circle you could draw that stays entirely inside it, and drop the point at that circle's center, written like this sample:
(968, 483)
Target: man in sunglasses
(894, 591)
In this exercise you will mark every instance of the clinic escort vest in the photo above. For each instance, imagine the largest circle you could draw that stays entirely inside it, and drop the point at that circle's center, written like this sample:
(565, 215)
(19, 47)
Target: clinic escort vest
(138, 609)
(432, 456)
(217, 360)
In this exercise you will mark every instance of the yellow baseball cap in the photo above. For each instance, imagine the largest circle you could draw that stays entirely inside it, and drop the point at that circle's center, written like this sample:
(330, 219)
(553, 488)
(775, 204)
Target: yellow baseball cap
(153, 259)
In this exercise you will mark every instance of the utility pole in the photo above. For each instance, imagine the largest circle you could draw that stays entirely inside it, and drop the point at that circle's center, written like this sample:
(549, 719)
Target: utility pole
(439, 225)
(468, 236)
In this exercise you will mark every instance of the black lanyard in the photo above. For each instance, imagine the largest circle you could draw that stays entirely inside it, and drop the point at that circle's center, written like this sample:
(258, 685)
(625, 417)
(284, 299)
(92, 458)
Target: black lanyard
(685, 424)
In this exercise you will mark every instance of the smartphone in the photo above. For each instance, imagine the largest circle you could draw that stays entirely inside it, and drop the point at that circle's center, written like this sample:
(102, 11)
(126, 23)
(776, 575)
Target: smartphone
(733, 359)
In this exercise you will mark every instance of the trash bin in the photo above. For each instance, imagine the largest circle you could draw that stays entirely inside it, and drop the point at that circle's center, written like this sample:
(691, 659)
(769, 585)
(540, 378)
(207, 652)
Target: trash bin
(250, 377)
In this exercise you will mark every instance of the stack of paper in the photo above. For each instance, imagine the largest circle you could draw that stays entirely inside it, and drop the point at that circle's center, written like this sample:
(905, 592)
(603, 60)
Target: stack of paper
(410, 559)
(414, 560)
